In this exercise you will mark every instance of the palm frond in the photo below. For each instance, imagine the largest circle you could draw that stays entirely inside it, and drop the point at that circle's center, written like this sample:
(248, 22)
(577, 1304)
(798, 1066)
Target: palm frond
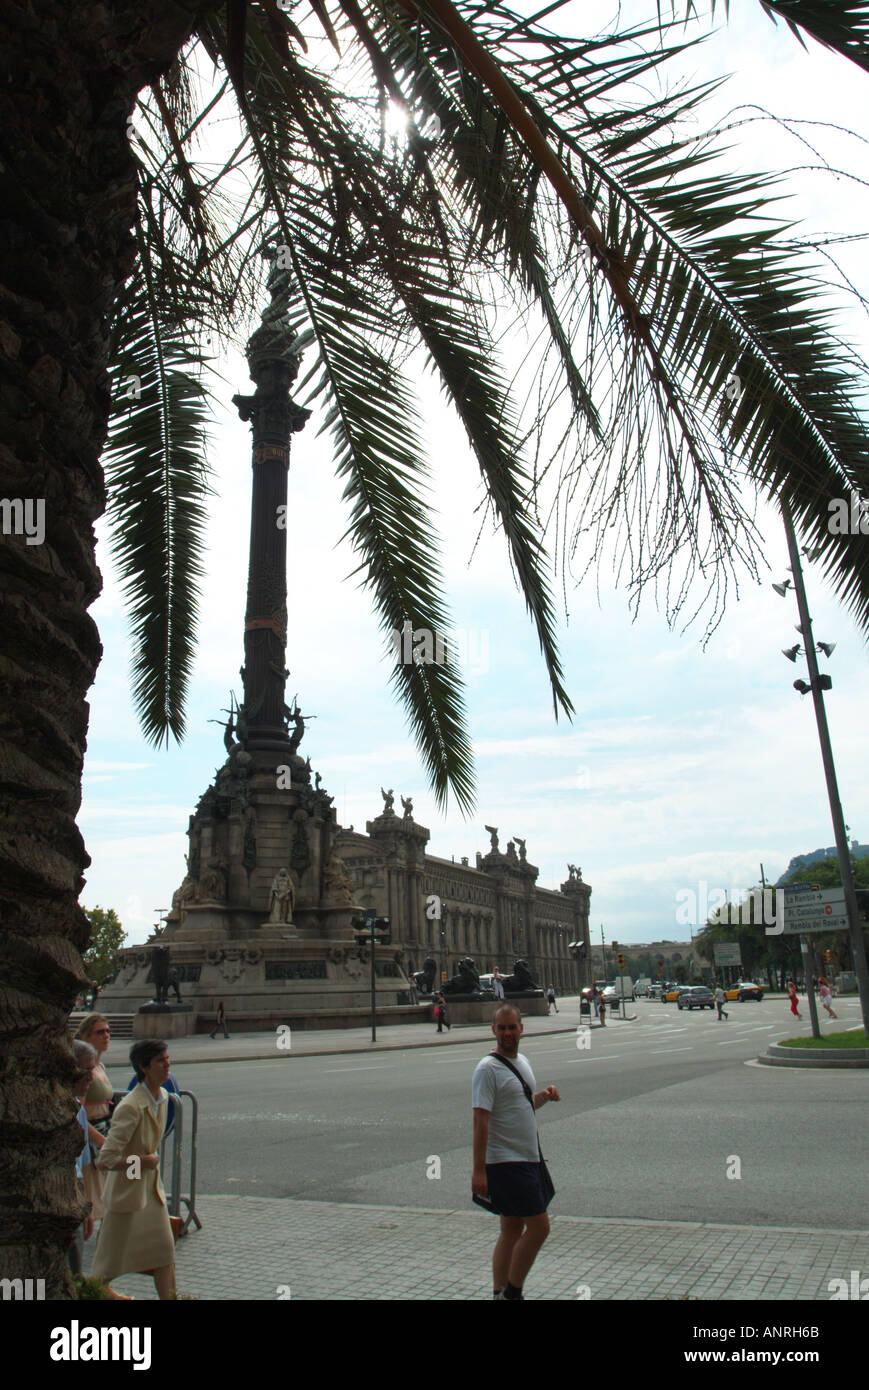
(840, 25)
(686, 360)
(686, 291)
(157, 481)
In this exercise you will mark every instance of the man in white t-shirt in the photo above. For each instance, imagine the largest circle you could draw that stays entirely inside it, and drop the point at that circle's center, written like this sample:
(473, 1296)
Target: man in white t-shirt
(507, 1166)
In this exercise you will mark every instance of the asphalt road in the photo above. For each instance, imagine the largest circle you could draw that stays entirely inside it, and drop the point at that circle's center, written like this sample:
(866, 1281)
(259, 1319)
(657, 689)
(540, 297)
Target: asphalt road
(661, 1118)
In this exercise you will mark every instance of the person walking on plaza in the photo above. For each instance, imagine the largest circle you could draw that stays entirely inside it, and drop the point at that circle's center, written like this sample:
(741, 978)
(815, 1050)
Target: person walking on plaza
(720, 1001)
(824, 991)
(509, 1175)
(792, 993)
(136, 1235)
(95, 1030)
(221, 1021)
(550, 999)
(441, 1012)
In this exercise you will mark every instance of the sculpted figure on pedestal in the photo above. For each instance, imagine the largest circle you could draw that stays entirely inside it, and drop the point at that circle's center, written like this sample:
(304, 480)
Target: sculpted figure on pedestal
(283, 898)
(212, 886)
(337, 883)
(425, 978)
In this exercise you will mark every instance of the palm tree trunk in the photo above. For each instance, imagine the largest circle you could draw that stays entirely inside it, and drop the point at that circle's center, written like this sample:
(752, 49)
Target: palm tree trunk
(67, 188)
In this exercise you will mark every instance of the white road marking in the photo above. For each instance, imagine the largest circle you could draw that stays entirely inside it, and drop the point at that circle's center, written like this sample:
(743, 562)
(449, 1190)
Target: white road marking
(377, 1066)
(659, 1052)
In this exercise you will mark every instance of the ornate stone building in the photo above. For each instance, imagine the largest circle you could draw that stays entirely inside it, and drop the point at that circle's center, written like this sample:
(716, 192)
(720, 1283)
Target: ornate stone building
(493, 912)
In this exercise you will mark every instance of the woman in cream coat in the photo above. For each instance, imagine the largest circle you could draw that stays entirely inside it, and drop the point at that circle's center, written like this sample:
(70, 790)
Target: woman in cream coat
(136, 1236)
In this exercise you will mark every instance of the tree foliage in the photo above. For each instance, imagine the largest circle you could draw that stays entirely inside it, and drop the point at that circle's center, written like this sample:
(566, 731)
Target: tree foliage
(107, 937)
(779, 955)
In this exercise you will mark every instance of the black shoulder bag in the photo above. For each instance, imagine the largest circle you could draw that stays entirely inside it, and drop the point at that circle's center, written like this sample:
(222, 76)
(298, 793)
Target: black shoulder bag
(546, 1182)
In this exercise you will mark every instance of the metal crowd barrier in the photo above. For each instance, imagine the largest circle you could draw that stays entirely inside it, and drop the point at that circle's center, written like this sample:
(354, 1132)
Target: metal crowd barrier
(173, 1173)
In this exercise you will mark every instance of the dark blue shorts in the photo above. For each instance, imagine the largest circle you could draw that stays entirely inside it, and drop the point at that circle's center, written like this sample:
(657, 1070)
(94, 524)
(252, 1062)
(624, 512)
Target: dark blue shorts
(516, 1189)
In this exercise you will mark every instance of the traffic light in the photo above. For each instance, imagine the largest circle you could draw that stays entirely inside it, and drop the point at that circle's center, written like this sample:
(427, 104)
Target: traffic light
(370, 926)
(621, 961)
(828, 955)
(615, 946)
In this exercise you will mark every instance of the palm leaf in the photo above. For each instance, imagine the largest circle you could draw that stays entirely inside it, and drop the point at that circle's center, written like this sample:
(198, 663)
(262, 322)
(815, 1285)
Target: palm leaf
(157, 485)
(841, 25)
(654, 278)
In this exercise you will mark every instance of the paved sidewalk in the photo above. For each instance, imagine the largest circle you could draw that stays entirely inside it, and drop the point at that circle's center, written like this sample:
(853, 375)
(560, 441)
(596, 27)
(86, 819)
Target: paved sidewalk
(316, 1042)
(257, 1248)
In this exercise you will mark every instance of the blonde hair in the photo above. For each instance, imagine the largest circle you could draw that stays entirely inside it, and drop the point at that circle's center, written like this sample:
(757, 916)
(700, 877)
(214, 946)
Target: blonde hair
(87, 1025)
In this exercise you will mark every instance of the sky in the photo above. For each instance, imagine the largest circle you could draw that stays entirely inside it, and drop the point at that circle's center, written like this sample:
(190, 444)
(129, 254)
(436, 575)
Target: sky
(684, 768)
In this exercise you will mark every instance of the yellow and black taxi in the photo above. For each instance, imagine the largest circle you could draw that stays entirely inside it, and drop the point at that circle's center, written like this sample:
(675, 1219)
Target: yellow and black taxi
(743, 990)
(670, 993)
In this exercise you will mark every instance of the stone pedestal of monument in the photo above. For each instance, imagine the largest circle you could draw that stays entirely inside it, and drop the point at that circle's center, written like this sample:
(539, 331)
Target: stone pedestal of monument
(484, 1010)
(164, 1021)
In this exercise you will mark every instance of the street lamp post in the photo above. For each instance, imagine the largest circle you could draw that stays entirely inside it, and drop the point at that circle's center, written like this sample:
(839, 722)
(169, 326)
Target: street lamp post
(578, 950)
(842, 852)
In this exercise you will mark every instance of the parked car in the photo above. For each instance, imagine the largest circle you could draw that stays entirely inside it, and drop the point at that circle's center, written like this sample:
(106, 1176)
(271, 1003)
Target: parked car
(743, 990)
(696, 997)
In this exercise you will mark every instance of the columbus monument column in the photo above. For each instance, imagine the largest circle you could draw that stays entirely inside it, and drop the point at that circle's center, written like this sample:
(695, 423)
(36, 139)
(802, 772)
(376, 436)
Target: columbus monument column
(274, 364)
(262, 919)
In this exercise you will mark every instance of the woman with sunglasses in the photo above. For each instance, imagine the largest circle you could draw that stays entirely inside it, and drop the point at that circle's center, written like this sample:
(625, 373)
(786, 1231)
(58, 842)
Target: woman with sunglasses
(95, 1030)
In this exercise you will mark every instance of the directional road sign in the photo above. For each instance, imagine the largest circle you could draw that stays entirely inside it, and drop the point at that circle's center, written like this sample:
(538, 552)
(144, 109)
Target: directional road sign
(805, 908)
(726, 953)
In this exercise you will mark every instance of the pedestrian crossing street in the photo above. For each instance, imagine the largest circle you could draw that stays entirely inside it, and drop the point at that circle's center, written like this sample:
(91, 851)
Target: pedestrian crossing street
(669, 1032)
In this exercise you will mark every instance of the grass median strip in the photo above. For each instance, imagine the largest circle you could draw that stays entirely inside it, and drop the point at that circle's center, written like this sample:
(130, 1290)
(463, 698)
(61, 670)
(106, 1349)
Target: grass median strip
(857, 1038)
